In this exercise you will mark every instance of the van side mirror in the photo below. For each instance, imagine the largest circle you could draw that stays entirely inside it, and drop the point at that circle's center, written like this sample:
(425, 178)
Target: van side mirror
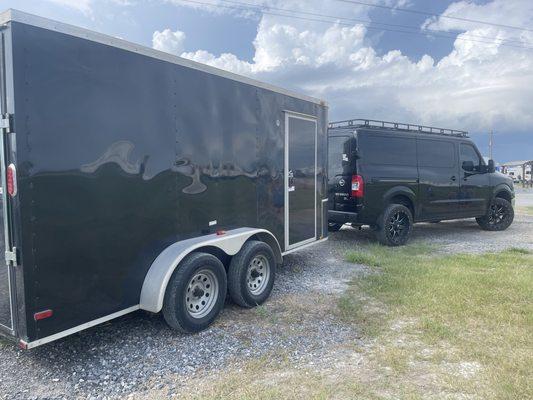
(491, 167)
(468, 166)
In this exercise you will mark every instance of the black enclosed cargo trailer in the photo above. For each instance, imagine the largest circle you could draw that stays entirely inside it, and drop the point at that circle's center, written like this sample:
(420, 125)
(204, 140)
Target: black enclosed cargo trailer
(129, 175)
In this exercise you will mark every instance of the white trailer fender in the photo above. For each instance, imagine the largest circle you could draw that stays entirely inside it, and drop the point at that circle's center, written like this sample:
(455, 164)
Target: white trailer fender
(158, 276)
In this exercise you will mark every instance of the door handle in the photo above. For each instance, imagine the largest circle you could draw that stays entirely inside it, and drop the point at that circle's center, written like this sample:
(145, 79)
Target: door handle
(453, 178)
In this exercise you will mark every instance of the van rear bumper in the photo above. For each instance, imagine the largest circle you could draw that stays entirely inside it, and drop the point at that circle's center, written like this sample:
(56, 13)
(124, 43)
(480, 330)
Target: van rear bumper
(342, 217)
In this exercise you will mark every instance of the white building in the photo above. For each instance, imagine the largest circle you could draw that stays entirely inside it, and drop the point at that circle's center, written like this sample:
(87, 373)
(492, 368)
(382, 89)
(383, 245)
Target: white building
(515, 170)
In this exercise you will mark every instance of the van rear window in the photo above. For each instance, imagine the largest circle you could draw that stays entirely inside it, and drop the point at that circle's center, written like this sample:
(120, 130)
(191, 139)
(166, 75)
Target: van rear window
(387, 150)
(338, 151)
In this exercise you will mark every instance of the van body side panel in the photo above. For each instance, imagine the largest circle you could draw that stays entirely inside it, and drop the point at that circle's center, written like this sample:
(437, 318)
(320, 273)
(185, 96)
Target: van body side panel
(121, 155)
(438, 168)
(385, 161)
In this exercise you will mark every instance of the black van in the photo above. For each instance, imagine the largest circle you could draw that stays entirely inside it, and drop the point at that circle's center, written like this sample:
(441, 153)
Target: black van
(389, 175)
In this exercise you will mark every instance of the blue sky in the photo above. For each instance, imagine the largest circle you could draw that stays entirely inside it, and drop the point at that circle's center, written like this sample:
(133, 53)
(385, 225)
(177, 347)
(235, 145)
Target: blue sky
(361, 72)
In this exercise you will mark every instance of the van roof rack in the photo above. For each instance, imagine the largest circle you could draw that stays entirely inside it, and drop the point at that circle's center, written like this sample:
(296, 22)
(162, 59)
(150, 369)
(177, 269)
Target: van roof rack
(370, 123)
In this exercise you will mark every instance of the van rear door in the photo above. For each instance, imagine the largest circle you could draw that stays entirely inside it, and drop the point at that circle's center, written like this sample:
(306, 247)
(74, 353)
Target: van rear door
(341, 167)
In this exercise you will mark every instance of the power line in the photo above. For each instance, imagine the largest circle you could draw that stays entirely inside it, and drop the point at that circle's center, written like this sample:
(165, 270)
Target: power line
(417, 29)
(264, 10)
(413, 11)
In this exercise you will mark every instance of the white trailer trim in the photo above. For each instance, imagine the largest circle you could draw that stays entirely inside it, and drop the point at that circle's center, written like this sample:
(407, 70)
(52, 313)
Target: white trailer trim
(90, 324)
(59, 335)
(40, 22)
(294, 250)
(296, 115)
(161, 270)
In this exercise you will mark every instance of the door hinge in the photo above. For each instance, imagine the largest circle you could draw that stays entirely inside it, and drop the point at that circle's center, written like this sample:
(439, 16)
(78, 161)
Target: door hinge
(11, 257)
(5, 123)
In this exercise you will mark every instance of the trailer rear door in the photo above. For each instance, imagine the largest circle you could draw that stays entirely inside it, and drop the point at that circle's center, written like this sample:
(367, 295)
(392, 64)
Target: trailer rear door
(300, 179)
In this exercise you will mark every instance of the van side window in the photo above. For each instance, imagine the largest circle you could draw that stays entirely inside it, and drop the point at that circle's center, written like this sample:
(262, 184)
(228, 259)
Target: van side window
(469, 153)
(436, 153)
(387, 150)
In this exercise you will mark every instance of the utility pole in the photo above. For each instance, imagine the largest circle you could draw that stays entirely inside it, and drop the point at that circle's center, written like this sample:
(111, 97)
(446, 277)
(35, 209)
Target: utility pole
(491, 143)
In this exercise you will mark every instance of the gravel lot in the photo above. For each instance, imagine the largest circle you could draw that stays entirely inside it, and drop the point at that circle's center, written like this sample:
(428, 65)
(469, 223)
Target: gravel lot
(139, 353)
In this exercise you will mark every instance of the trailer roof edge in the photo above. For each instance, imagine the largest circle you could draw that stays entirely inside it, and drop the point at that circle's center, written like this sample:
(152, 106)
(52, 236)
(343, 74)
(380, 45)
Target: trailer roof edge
(41, 22)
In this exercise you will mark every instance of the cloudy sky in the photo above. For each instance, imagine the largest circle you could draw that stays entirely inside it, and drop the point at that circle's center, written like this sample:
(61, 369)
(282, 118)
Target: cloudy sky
(419, 61)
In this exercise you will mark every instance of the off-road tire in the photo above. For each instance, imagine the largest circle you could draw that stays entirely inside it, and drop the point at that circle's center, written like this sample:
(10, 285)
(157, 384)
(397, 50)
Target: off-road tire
(500, 216)
(175, 305)
(251, 274)
(394, 226)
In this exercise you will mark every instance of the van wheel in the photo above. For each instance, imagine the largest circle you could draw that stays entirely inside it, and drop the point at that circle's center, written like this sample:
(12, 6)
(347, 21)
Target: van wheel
(394, 225)
(251, 274)
(500, 216)
(334, 227)
(195, 293)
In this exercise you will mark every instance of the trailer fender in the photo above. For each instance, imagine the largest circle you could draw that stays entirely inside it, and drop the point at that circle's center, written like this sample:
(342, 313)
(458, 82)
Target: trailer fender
(158, 276)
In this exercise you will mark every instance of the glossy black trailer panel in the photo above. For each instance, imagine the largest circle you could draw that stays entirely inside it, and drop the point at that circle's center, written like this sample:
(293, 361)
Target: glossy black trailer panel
(120, 155)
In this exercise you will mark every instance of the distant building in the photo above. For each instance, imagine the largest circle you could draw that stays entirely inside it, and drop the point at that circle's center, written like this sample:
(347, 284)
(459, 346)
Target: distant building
(518, 170)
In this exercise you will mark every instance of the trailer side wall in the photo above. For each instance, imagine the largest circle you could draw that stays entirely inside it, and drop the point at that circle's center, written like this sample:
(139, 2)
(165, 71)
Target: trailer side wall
(120, 155)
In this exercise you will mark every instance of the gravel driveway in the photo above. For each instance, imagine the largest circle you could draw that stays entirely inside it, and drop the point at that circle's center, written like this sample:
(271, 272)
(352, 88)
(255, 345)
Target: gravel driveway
(138, 352)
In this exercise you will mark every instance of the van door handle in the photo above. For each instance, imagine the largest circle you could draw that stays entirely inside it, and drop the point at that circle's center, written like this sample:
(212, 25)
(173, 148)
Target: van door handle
(453, 178)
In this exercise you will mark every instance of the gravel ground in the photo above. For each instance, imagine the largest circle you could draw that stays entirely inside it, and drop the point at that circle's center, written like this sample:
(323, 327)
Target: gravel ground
(460, 236)
(524, 197)
(138, 352)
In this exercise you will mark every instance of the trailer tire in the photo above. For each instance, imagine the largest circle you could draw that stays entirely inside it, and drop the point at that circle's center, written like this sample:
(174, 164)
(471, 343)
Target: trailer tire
(251, 274)
(196, 293)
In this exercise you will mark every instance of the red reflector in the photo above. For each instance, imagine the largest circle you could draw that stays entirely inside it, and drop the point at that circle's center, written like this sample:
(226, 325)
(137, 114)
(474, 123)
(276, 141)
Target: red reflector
(220, 233)
(357, 186)
(11, 180)
(23, 345)
(42, 315)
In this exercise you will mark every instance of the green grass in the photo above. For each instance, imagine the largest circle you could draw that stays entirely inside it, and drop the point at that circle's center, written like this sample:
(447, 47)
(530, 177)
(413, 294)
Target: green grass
(527, 210)
(479, 307)
(432, 326)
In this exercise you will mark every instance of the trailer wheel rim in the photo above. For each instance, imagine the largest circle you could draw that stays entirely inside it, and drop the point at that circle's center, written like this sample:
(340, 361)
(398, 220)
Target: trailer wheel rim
(202, 293)
(258, 274)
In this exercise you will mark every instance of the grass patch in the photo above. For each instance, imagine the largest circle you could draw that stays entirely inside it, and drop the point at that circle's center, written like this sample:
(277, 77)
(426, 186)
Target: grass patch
(478, 306)
(527, 210)
(433, 327)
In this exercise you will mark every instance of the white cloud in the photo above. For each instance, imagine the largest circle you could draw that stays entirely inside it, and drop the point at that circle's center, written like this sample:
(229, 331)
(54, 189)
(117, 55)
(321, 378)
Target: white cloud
(169, 41)
(87, 6)
(477, 86)
(80, 5)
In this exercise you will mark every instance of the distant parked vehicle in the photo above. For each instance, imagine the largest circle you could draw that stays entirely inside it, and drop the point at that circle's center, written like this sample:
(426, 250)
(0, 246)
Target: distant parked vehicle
(390, 175)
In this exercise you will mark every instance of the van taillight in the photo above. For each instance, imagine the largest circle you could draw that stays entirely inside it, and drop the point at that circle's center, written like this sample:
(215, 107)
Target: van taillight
(11, 180)
(357, 186)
